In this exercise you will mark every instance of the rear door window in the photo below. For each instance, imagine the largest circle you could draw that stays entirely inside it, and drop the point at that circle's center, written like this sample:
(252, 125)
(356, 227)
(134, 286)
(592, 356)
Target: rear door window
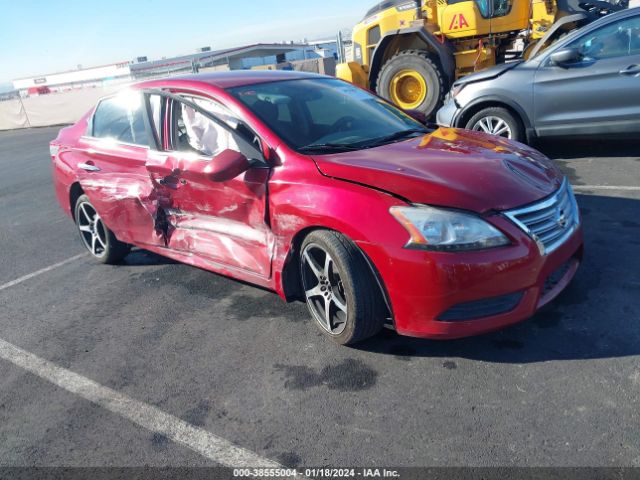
(122, 118)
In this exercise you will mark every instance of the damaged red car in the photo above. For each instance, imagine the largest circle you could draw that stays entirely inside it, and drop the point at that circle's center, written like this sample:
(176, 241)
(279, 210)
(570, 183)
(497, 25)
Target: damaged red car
(322, 192)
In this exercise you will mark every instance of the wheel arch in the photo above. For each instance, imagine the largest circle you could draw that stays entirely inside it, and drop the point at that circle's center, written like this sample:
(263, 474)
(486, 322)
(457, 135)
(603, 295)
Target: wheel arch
(417, 38)
(495, 101)
(75, 191)
(291, 284)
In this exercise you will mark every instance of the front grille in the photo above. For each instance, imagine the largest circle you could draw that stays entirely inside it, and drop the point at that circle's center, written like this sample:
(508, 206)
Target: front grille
(551, 221)
(486, 307)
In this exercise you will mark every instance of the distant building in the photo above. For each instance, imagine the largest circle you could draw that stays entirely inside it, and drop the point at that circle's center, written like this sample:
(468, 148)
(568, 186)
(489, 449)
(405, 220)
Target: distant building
(325, 48)
(239, 58)
(83, 78)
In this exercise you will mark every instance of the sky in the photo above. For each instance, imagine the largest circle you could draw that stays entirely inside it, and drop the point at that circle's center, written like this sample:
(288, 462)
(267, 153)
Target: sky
(46, 36)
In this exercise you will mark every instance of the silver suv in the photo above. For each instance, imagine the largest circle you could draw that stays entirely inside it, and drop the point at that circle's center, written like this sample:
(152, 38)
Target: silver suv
(586, 83)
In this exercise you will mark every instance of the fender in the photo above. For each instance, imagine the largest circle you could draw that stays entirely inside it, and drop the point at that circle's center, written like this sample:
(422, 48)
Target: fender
(444, 51)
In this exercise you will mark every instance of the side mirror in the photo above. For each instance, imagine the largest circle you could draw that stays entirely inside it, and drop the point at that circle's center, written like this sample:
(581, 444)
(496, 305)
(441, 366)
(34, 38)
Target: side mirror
(566, 57)
(418, 116)
(226, 165)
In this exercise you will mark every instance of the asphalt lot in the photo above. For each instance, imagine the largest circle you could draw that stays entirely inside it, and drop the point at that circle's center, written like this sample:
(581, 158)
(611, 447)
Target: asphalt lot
(560, 389)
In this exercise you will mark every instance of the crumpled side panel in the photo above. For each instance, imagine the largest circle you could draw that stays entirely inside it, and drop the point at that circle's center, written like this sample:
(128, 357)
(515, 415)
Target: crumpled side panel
(219, 239)
(128, 205)
(223, 222)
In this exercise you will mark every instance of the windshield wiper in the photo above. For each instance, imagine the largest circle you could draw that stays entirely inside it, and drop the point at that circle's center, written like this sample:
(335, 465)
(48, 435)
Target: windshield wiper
(374, 142)
(396, 136)
(329, 147)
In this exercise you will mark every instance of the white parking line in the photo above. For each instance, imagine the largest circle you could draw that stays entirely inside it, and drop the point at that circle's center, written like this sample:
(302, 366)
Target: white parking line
(41, 271)
(605, 187)
(205, 443)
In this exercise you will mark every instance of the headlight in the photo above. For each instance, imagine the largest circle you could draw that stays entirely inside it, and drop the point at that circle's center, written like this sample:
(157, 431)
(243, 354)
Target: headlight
(456, 89)
(446, 230)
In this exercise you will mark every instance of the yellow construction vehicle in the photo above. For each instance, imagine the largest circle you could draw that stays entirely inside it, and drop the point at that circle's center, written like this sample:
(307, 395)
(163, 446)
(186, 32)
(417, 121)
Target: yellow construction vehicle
(411, 51)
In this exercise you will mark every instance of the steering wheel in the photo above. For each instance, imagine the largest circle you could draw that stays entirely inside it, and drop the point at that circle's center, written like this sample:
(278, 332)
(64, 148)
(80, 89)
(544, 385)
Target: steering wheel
(343, 124)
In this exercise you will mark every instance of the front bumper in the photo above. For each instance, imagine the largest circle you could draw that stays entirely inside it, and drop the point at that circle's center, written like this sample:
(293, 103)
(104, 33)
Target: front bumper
(425, 287)
(448, 114)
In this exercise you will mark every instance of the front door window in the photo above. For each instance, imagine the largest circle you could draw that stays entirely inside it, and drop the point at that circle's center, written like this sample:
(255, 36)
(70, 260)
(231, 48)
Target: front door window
(201, 134)
(617, 40)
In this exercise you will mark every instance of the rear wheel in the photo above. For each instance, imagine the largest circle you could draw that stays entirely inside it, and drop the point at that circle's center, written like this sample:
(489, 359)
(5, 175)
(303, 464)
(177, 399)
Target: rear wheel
(497, 121)
(96, 237)
(340, 292)
(413, 80)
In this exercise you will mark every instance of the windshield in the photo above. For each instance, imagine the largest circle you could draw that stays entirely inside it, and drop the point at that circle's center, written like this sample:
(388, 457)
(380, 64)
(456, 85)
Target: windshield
(324, 115)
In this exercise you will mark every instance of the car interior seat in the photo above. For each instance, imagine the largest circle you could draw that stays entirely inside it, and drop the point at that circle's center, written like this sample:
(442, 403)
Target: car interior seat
(267, 111)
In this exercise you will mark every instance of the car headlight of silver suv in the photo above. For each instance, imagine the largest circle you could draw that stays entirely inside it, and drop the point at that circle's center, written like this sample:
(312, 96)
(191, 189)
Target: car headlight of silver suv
(438, 229)
(456, 89)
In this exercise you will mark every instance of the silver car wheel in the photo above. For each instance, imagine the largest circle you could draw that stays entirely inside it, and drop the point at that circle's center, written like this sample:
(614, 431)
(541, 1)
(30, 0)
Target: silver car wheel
(494, 126)
(324, 289)
(92, 230)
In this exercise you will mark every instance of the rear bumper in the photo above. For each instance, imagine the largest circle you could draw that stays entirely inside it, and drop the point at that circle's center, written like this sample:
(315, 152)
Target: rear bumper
(430, 293)
(63, 178)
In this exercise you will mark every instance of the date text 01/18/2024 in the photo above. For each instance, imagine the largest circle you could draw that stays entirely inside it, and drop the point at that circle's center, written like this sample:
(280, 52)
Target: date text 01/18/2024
(316, 473)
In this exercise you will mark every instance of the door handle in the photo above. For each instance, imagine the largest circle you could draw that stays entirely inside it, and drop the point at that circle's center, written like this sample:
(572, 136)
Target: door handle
(631, 70)
(88, 167)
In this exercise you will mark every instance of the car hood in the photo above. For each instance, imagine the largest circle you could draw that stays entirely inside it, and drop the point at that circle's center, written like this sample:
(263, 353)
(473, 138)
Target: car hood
(450, 167)
(489, 73)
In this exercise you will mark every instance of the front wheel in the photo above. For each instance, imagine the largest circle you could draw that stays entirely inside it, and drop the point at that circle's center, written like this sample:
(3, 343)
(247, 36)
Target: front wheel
(99, 240)
(497, 121)
(413, 80)
(341, 294)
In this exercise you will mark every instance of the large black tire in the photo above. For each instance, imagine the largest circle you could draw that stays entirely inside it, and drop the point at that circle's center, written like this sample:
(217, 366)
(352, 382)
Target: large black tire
(356, 288)
(486, 116)
(106, 248)
(426, 66)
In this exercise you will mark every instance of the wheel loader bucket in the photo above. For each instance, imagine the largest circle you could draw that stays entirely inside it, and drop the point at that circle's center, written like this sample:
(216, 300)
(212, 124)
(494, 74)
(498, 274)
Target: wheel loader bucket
(354, 73)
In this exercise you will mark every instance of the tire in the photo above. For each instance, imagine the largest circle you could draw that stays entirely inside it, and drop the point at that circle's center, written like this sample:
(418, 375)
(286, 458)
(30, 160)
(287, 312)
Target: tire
(349, 283)
(497, 119)
(414, 62)
(96, 237)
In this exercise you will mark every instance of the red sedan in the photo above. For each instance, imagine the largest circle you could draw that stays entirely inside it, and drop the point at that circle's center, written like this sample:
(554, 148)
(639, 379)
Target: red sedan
(322, 192)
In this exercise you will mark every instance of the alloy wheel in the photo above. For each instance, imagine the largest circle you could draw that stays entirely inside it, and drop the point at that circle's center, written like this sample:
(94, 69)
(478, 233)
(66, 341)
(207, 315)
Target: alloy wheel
(494, 126)
(324, 289)
(408, 89)
(92, 230)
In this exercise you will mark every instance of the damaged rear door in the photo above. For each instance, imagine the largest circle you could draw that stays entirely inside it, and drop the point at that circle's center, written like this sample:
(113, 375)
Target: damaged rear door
(110, 162)
(222, 224)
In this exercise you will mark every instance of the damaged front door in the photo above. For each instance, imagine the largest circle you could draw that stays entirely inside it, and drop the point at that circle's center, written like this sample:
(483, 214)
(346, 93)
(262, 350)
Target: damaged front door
(223, 222)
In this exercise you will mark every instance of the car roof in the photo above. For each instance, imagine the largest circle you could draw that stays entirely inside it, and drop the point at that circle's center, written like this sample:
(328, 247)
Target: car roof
(229, 79)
